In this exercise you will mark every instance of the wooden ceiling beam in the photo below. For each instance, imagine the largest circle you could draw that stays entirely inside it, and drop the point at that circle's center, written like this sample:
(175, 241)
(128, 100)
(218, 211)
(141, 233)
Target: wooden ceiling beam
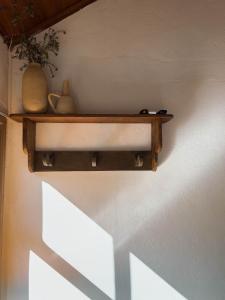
(59, 16)
(46, 15)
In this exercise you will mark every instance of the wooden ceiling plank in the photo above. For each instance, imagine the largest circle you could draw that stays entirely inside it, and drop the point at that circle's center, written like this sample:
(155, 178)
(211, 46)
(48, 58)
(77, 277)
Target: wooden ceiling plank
(59, 16)
(46, 14)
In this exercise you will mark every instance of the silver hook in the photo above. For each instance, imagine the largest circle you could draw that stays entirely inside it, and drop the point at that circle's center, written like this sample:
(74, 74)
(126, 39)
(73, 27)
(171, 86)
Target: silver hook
(48, 159)
(94, 160)
(139, 162)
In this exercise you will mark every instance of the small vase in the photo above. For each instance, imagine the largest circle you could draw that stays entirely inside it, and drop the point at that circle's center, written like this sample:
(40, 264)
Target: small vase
(34, 89)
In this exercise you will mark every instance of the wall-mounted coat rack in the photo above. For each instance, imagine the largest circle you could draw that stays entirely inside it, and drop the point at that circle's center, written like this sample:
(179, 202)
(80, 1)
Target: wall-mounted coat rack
(40, 161)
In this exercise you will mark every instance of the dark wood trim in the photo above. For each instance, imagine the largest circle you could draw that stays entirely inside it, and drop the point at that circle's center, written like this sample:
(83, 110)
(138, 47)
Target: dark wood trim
(46, 13)
(2, 33)
(29, 137)
(156, 139)
(82, 161)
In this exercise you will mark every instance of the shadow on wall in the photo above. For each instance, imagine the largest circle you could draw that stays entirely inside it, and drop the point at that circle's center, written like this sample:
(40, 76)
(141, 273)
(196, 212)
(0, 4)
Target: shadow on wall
(92, 192)
(183, 238)
(182, 111)
(97, 193)
(163, 251)
(160, 241)
(78, 243)
(171, 220)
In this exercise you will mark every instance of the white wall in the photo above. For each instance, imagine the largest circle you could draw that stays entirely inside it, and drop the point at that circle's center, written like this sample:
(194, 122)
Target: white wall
(3, 76)
(122, 56)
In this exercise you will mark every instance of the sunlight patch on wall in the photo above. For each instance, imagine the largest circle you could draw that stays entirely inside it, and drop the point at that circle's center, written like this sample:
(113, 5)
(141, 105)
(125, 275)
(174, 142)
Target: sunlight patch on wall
(146, 284)
(46, 284)
(94, 136)
(78, 240)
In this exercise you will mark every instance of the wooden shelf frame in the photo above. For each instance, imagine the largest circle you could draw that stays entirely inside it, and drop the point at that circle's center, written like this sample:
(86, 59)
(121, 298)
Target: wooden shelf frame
(93, 118)
(46, 161)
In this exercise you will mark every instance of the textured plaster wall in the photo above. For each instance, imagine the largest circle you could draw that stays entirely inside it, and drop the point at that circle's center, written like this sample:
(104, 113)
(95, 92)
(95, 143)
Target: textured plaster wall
(122, 56)
(3, 108)
(3, 76)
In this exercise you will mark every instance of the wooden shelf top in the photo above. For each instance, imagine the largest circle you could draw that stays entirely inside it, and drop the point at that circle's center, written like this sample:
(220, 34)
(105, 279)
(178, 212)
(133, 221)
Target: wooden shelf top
(92, 118)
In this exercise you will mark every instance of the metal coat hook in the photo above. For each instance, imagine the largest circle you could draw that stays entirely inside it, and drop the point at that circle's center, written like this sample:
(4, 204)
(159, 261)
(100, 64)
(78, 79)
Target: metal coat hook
(139, 162)
(48, 159)
(94, 160)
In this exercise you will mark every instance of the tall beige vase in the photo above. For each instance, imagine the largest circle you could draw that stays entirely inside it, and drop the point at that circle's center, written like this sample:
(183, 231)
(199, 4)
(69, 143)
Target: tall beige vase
(34, 89)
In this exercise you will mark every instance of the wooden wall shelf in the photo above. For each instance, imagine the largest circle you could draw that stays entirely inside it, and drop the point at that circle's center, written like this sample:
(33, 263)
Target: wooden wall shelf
(100, 118)
(42, 161)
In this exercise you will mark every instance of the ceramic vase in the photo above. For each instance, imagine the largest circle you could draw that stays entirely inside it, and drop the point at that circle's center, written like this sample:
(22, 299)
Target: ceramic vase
(63, 104)
(34, 89)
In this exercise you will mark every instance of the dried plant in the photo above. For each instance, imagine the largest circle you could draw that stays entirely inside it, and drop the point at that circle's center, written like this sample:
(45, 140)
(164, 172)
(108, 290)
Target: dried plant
(30, 48)
(34, 50)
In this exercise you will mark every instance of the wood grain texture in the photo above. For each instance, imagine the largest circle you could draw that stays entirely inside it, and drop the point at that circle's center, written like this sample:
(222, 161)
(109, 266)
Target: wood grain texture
(99, 118)
(43, 161)
(82, 161)
(156, 146)
(29, 137)
(46, 14)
